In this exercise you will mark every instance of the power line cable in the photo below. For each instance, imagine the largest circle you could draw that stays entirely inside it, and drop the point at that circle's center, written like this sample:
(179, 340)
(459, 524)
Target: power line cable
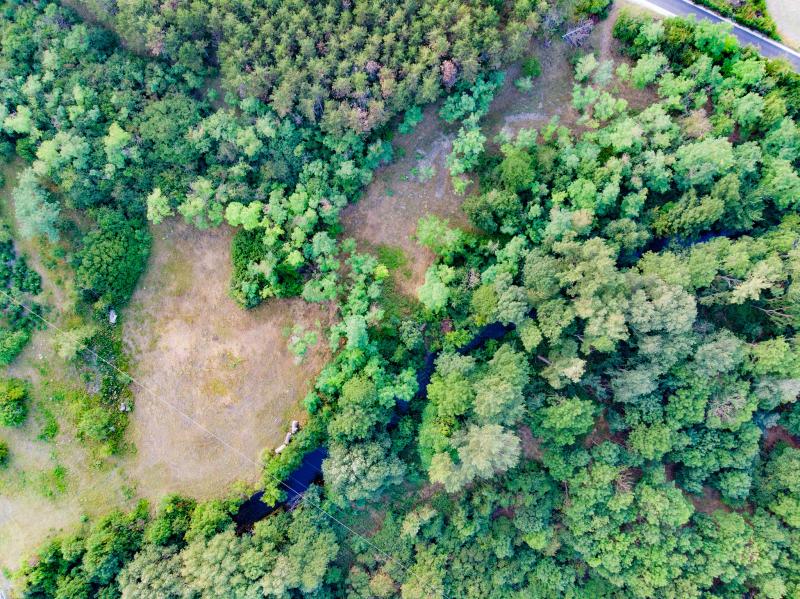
(219, 439)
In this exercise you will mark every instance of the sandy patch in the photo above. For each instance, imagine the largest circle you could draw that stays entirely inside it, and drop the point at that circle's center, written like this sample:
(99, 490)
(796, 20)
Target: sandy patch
(786, 14)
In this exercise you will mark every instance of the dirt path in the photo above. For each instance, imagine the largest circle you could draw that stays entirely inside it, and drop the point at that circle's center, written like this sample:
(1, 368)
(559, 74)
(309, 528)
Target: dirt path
(226, 368)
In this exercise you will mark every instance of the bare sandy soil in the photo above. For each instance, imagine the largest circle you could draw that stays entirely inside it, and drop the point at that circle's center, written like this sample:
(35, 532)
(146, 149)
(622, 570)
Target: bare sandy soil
(786, 14)
(225, 368)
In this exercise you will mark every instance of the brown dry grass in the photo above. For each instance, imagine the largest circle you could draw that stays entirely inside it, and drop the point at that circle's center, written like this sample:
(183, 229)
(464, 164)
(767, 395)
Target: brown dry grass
(228, 369)
(225, 368)
(388, 212)
(393, 203)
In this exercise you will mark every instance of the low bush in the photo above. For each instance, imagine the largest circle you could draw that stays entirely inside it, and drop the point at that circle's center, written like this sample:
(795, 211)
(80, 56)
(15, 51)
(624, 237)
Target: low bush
(750, 13)
(531, 67)
(590, 8)
(19, 285)
(111, 260)
(13, 402)
(5, 454)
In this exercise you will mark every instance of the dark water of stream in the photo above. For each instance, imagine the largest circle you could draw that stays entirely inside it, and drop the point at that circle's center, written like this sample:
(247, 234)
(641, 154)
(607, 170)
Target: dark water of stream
(310, 469)
(297, 483)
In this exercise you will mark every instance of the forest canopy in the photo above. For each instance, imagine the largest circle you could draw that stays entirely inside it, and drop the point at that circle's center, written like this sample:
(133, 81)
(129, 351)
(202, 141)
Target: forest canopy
(596, 393)
(349, 66)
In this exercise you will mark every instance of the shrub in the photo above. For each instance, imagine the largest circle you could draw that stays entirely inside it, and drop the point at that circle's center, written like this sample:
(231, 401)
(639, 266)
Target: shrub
(791, 419)
(21, 283)
(593, 8)
(626, 30)
(111, 259)
(35, 210)
(531, 67)
(97, 424)
(11, 344)
(411, 119)
(247, 248)
(523, 84)
(5, 454)
(750, 13)
(13, 402)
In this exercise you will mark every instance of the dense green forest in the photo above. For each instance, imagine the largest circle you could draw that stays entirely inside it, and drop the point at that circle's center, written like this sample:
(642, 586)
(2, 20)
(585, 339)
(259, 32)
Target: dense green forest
(630, 427)
(349, 66)
(114, 139)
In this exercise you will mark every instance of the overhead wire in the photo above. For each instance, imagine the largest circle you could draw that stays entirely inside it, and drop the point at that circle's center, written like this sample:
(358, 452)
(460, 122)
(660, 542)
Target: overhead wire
(194, 422)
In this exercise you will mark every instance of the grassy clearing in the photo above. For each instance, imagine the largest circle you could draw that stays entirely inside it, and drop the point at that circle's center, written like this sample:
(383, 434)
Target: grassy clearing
(51, 480)
(417, 182)
(387, 213)
(229, 369)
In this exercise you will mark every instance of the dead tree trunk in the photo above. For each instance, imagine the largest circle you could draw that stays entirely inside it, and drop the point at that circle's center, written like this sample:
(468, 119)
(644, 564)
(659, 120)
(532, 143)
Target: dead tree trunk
(578, 35)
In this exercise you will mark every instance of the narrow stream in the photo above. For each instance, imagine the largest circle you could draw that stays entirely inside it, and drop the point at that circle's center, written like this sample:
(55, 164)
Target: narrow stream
(310, 469)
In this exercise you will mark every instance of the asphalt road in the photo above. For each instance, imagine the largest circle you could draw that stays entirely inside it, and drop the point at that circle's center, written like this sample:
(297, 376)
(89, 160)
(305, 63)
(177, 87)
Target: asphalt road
(763, 44)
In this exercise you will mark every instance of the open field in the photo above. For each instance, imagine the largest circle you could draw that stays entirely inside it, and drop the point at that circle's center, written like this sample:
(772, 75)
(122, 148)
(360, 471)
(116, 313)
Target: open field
(227, 368)
(388, 212)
